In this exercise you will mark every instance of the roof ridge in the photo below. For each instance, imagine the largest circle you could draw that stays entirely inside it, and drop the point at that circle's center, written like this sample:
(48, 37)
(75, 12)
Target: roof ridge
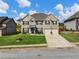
(75, 15)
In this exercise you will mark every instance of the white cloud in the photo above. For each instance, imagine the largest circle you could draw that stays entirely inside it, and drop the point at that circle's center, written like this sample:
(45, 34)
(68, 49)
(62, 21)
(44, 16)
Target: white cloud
(14, 11)
(50, 12)
(32, 12)
(24, 3)
(16, 18)
(37, 5)
(59, 7)
(21, 15)
(66, 12)
(3, 7)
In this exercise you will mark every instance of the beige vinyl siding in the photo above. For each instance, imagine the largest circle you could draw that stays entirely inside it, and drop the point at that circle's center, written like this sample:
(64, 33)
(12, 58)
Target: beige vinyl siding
(70, 25)
(50, 22)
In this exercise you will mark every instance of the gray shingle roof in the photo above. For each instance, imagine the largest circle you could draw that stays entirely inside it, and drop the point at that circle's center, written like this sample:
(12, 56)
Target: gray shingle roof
(2, 19)
(73, 17)
(39, 16)
(6, 21)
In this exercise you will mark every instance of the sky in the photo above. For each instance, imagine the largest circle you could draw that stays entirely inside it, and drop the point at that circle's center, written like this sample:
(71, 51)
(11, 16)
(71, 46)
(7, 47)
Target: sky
(19, 8)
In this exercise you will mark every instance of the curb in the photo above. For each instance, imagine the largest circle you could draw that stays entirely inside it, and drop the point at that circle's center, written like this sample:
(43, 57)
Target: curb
(23, 46)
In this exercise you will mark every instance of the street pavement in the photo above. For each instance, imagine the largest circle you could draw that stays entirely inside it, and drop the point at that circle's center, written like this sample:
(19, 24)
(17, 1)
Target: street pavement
(40, 53)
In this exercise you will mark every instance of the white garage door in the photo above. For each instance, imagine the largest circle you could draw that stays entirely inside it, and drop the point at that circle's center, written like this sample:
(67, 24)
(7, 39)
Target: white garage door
(48, 31)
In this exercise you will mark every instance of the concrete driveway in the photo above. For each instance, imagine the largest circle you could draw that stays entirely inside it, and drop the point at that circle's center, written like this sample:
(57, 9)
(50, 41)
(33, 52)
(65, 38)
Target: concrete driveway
(55, 40)
(40, 53)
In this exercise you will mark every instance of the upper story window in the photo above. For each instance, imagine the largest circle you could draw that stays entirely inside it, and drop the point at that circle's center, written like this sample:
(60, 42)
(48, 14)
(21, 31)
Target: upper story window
(4, 25)
(39, 22)
(32, 20)
(47, 22)
(54, 22)
(25, 23)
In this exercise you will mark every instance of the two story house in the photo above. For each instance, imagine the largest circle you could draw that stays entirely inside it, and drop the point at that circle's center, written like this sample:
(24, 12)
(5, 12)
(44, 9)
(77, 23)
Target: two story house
(39, 22)
(7, 26)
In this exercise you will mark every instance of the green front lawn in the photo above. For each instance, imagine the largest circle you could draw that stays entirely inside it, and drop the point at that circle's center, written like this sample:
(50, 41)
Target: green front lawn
(27, 39)
(72, 37)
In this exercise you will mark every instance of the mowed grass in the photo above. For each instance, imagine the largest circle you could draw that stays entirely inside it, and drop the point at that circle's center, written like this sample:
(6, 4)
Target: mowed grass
(27, 39)
(72, 37)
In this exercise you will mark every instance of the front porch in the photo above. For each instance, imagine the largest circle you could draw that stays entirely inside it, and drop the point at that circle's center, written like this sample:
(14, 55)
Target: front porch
(33, 30)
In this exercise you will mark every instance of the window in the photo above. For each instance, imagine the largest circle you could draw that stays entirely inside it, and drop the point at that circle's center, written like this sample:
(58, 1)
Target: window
(39, 22)
(40, 30)
(54, 22)
(47, 22)
(25, 30)
(4, 25)
(78, 22)
(32, 20)
(25, 23)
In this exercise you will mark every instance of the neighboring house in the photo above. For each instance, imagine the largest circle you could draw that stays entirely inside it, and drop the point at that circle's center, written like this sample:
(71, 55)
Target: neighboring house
(7, 26)
(72, 23)
(39, 22)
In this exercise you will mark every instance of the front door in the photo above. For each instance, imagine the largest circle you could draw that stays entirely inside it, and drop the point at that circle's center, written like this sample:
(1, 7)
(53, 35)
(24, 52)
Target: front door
(32, 30)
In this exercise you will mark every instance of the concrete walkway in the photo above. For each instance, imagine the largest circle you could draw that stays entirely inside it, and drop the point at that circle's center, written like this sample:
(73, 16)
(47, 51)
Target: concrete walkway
(55, 40)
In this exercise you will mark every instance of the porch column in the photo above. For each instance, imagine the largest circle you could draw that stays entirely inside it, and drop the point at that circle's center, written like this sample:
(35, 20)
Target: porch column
(43, 31)
(43, 22)
(34, 30)
(29, 31)
(22, 31)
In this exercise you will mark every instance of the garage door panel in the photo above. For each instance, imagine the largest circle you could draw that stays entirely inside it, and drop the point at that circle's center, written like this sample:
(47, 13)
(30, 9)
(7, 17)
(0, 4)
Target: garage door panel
(47, 31)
